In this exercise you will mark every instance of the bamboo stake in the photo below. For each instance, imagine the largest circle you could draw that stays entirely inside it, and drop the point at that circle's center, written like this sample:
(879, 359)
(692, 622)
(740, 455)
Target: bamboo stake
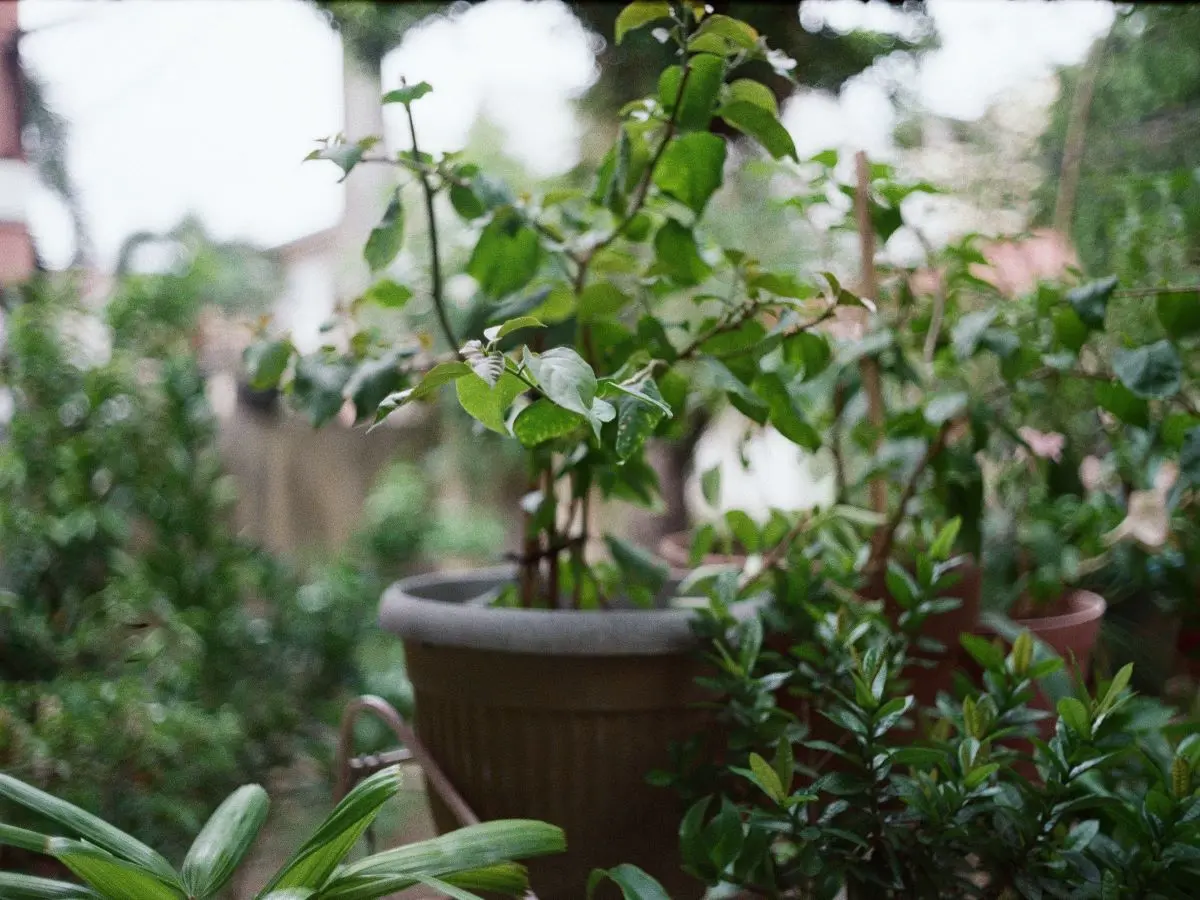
(1073, 142)
(869, 288)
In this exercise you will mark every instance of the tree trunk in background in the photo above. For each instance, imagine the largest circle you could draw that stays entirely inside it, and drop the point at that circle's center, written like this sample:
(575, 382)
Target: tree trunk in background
(16, 180)
(1072, 161)
(367, 188)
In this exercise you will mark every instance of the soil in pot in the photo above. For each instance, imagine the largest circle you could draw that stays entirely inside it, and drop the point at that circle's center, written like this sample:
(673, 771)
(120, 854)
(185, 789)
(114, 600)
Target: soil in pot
(554, 715)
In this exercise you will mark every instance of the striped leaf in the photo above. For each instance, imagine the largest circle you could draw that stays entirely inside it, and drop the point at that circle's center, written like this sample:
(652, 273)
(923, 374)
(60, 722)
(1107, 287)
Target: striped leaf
(224, 841)
(15, 886)
(112, 877)
(22, 838)
(314, 862)
(78, 823)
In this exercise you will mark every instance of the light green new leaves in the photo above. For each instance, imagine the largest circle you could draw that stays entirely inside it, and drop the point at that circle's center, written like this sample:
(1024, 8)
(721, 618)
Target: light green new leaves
(224, 841)
(691, 169)
(761, 124)
(638, 15)
(111, 876)
(15, 886)
(488, 404)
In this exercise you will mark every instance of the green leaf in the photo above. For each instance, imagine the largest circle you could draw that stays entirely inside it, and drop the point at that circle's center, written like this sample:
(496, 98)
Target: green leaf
(15, 886)
(1122, 403)
(506, 256)
(344, 156)
(321, 854)
(318, 386)
(633, 882)
(979, 775)
(637, 565)
(503, 331)
(969, 329)
(1070, 330)
(373, 382)
(1179, 313)
(767, 778)
(112, 876)
(1152, 371)
(638, 414)
(1075, 714)
(224, 841)
(943, 544)
(600, 301)
(784, 763)
(710, 485)
(645, 390)
(744, 400)
(465, 202)
(691, 169)
(471, 858)
(387, 294)
(564, 377)
(488, 404)
(745, 530)
(22, 838)
(758, 123)
(386, 238)
(449, 890)
(487, 364)
(543, 420)
(706, 74)
(724, 36)
(783, 284)
(677, 254)
(944, 407)
(638, 15)
(747, 90)
(785, 415)
(440, 374)
(1189, 455)
(1090, 301)
(408, 94)
(76, 822)
(1119, 683)
(265, 362)
(983, 651)
(811, 351)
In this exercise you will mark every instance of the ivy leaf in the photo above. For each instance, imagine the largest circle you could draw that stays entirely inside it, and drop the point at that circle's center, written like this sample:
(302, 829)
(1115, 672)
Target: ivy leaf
(677, 255)
(488, 404)
(506, 256)
(747, 90)
(265, 362)
(638, 15)
(544, 420)
(638, 565)
(1123, 403)
(785, 415)
(1090, 301)
(1152, 371)
(387, 294)
(386, 238)
(317, 387)
(691, 169)
(1179, 313)
(601, 300)
(408, 94)
(754, 121)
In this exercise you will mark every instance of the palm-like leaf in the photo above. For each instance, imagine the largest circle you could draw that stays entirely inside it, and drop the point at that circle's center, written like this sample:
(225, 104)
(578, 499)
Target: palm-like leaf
(15, 886)
(22, 838)
(224, 841)
(312, 864)
(476, 847)
(76, 822)
(111, 876)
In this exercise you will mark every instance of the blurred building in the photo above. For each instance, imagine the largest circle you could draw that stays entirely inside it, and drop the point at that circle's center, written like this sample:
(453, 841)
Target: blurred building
(16, 178)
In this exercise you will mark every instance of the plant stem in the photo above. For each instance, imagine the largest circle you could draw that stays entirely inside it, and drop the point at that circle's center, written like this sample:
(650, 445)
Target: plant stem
(551, 536)
(1075, 139)
(868, 366)
(435, 262)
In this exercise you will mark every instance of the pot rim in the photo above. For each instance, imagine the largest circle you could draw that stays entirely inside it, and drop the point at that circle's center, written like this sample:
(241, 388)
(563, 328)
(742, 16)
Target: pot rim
(411, 608)
(1086, 607)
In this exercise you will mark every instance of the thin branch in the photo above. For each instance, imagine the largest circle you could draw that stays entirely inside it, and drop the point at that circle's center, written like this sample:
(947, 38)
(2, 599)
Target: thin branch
(868, 366)
(775, 555)
(1075, 139)
(435, 262)
(1154, 292)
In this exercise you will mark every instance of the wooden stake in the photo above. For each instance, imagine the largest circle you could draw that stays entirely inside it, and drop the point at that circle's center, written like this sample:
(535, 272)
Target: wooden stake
(869, 288)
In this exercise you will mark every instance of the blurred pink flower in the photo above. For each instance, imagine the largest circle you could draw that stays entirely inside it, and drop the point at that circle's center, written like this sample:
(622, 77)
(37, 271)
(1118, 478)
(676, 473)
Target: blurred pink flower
(1091, 473)
(1047, 445)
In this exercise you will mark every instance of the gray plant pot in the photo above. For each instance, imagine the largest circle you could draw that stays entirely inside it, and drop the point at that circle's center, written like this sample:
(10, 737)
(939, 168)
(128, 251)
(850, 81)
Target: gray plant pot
(555, 715)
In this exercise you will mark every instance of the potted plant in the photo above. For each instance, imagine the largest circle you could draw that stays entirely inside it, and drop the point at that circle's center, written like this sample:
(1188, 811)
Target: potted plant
(548, 688)
(113, 865)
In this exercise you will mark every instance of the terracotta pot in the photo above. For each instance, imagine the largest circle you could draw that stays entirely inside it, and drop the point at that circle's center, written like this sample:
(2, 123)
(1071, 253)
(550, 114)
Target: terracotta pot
(554, 715)
(676, 550)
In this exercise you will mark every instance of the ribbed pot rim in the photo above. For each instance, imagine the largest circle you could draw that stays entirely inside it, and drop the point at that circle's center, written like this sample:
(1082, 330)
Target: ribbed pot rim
(436, 609)
(1085, 607)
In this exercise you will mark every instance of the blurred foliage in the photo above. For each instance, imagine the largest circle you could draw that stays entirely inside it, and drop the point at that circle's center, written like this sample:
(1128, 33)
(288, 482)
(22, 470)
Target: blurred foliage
(1137, 209)
(151, 660)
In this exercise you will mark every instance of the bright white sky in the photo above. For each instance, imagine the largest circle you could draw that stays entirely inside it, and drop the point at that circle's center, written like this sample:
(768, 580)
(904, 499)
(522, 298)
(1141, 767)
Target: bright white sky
(209, 105)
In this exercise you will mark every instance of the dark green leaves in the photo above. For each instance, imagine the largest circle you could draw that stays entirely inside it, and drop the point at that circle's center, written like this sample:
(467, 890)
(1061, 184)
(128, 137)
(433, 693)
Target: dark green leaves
(601, 300)
(386, 238)
(761, 124)
(706, 74)
(317, 387)
(506, 256)
(1179, 313)
(543, 420)
(224, 841)
(633, 882)
(387, 294)
(677, 254)
(1152, 371)
(691, 169)
(408, 94)
(640, 408)
(785, 415)
(638, 15)
(265, 362)
(1090, 301)
(1123, 403)
(637, 565)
